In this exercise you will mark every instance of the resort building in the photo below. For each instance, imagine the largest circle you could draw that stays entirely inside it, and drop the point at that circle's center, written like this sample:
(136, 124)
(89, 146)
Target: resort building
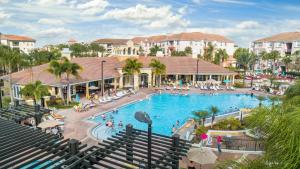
(178, 42)
(197, 41)
(119, 47)
(285, 43)
(179, 71)
(24, 43)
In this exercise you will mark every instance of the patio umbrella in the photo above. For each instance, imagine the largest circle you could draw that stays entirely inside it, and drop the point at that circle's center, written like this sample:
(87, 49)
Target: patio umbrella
(202, 156)
(49, 124)
(226, 81)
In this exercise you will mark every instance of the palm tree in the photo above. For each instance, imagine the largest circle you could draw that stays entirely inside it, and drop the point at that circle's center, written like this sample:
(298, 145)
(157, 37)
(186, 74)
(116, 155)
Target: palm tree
(132, 67)
(58, 68)
(287, 60)
(94, 47)
(201, 115)
(71, 69)
(244, 58)
(213, 110)
(209, 52)
(158, 69)
(260, 99)
(102, 50)
(220, 56)
(35, 91)
(273, 56)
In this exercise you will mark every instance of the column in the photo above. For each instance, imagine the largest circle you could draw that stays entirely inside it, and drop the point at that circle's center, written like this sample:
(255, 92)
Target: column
(69, 92)
(87, 90)
(52, 91)
(176, 81)
(209, 76)
(136, 81)
(149, 80)
(233, 79)
(115, 83)
(194, 79)
(121, 82)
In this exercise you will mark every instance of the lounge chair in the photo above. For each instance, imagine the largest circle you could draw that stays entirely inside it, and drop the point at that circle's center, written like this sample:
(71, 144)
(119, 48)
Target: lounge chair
(102, 100)
(132, 91)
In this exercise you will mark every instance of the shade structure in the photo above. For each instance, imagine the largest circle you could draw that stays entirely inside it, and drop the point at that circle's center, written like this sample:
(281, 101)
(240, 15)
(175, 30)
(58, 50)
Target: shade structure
(202, 156)
(49, 124)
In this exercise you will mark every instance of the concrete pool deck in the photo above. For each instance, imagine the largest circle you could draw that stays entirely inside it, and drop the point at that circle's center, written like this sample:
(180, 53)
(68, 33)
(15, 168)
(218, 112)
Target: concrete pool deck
(76, 124)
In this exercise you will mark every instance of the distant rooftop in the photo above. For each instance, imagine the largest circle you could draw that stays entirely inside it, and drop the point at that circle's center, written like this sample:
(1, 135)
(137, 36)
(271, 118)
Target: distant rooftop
(282, 37)
(17, 38)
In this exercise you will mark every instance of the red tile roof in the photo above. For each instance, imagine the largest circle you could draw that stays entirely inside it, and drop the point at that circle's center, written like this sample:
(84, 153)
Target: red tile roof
(17, 38)
(286, 36)
(92, 69)
(112, 41)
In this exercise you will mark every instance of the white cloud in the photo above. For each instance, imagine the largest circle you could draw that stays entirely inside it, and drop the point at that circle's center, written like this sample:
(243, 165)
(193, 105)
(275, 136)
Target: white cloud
(148, 17)
(197, 1)
(4, 1)
(54, 33)
(3, 16)
(49, 21)
(93, 7)
(248, 25)
(239, 2)
(183, 9)
(48, 2)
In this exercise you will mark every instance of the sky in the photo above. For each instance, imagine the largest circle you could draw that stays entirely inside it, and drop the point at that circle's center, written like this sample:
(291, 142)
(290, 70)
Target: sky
(57, 21)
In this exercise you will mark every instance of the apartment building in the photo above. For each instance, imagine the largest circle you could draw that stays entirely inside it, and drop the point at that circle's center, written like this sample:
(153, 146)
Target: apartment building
(119, 47)
(178, 42)
(285, 43)
(24, 43)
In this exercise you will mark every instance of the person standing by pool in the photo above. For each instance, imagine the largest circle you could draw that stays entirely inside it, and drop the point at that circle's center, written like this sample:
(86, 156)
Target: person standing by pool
(173, 129)
(219, 143)
(177, 123)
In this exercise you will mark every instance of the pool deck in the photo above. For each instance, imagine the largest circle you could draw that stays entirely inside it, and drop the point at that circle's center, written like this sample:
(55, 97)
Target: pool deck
(77, 126)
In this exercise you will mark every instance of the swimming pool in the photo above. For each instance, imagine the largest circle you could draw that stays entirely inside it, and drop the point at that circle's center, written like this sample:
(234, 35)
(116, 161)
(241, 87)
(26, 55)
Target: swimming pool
(166, 109)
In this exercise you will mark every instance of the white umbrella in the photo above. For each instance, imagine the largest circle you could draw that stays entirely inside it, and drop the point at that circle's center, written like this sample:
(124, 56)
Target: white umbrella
(93, 88)
(211, 81)
(202, 156)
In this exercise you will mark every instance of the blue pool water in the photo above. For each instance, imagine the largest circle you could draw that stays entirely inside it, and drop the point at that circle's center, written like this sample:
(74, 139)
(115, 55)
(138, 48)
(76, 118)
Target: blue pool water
(166, 109)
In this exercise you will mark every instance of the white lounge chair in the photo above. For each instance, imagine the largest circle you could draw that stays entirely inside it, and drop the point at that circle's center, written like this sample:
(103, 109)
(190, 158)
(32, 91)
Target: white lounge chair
(132, 91)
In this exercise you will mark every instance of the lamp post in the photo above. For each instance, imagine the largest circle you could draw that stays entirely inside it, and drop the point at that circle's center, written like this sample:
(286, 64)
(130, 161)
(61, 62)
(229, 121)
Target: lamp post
(1, 84)
(197, 69)
(145, 118)
(102, 77)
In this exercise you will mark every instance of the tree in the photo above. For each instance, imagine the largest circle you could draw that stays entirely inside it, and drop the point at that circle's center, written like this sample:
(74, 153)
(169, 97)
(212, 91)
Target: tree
(141, 51)
(158, 69)
(201, 115)
(132, 67)
(261, 99)
(58, 68)
(188, 50)
(154, 50)
(102, 50)
(38, 57)
(11, 59)
(209, 51)
(95, 48)
(279, 130)
(220, 56)
(70, 69)
(273, 56)
(79, 50)
(287, 60)
(244, 58)
(213, 110)
(35, 91)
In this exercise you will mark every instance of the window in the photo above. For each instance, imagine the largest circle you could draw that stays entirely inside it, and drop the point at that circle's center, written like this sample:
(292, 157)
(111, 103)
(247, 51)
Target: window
(298, 43)
(215, 77)
(200, 78)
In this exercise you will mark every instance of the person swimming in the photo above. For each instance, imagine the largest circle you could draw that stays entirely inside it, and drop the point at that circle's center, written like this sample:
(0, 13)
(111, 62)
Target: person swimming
(177, 123)
(173, 129)
(120, 124)
(103, 116)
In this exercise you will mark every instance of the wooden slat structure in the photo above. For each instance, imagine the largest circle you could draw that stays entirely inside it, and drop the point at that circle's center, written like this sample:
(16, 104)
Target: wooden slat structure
(28, 148)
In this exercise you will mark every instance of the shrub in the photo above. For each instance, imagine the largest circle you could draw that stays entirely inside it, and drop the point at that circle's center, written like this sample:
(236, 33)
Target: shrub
(5, 102)
(228, 124)
(201, 129)
(238, 85)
